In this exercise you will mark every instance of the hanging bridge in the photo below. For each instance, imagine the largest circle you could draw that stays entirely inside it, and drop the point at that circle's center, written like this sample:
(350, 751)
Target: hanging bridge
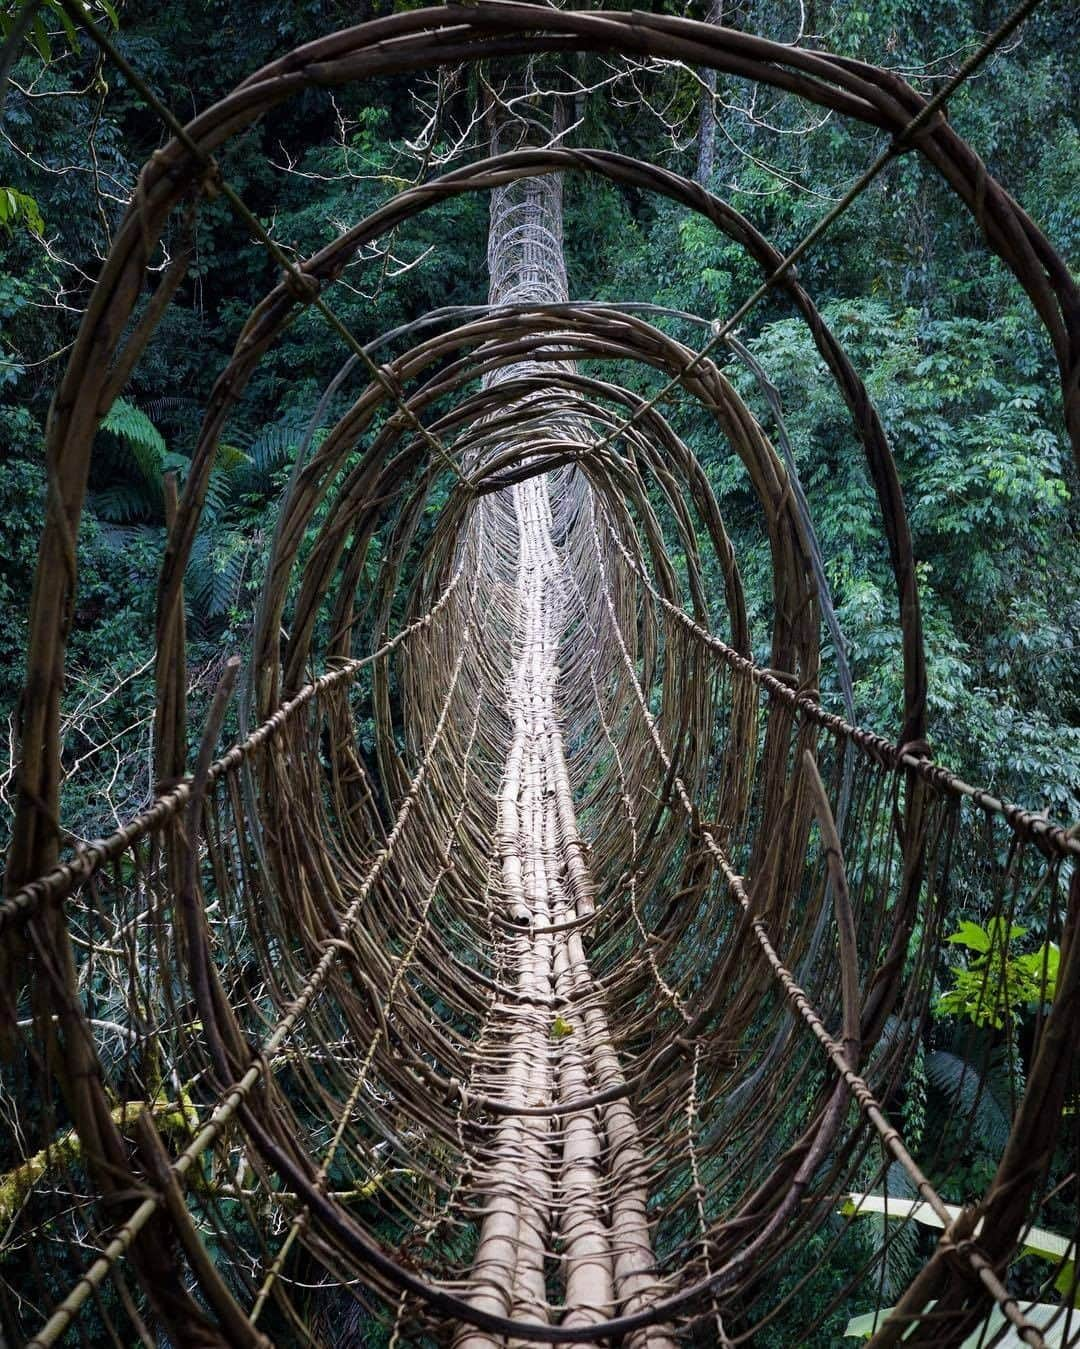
(578, 1007)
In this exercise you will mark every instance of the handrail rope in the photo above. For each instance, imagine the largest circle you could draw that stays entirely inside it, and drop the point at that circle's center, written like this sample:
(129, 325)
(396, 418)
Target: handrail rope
(58, 884)
(859, 1088)
(401, 966)
(1054, 836)
(92, 1278)
(692, 1114)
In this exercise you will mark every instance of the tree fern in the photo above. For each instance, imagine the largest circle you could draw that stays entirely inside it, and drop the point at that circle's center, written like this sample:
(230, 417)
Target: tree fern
(123, 503)
(976, 1095)
(118, 537)
(271, 447)
(144, 445)
(159, 409)
(136, 429)
(215, 573)
(219, 488)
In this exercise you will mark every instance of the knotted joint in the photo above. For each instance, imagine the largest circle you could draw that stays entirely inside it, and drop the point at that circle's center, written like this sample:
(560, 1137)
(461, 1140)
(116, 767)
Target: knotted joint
(911, 137)
(918, 749)
(303, 287)
(963, 1256)
(387, 377)
(347, 950)
(808, 691)
(456, 1094)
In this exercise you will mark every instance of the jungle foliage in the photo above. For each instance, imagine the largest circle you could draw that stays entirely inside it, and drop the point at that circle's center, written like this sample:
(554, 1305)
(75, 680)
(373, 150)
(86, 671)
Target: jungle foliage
(948, 345)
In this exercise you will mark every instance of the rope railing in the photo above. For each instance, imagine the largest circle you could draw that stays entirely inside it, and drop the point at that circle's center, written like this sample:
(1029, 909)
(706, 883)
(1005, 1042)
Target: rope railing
(58, 884)
(235, 1095)
(1053, 838)
(844, 1056)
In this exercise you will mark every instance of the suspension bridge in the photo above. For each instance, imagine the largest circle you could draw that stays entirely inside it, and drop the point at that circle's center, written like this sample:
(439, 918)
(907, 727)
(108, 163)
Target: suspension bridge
(577, 1007)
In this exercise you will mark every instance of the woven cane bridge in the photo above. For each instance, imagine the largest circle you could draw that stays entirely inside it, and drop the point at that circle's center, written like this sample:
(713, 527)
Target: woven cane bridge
(577, 1008)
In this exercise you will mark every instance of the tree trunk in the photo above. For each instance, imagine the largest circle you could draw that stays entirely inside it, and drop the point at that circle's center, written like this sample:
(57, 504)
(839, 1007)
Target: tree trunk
(706, 157)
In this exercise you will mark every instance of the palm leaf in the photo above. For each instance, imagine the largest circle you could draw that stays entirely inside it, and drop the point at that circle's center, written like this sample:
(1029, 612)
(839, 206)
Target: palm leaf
(1039, 1313)
(1038, 1241)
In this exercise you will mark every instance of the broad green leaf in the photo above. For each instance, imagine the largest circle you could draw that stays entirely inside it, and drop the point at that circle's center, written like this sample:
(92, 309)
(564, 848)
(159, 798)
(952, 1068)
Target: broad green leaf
(18, 207)
(1003, 934)
(971, 935)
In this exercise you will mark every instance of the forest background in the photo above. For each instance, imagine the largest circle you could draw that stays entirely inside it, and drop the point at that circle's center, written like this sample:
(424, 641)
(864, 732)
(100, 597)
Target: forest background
(961, 372)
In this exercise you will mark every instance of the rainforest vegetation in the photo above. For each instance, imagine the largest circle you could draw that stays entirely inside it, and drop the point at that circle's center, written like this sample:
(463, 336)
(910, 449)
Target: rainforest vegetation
(962, 374)
(945, 341)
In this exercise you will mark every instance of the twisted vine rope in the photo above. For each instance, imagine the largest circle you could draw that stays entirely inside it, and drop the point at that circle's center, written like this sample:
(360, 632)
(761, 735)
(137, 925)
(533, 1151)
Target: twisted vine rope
(562, 1010)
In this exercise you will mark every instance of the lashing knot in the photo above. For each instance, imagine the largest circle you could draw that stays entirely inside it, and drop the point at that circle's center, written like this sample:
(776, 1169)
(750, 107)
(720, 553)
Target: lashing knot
(303, 287)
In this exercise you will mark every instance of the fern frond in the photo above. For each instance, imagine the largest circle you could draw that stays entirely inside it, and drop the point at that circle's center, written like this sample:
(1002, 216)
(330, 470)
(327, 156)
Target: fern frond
(118, 537)
(134, 427)
(974, 1096)
(274, 446)
(218, 490)
(123, 503)
(143, 441)
(229, 562)
(216, 572)
(157, 408)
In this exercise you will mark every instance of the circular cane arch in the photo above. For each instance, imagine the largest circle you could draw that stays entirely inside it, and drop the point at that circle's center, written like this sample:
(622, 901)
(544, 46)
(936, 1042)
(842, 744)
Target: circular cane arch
(315, 856)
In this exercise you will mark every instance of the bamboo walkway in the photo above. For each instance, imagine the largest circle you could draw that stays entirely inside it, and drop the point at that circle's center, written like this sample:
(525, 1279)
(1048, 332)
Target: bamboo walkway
(546, 969)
